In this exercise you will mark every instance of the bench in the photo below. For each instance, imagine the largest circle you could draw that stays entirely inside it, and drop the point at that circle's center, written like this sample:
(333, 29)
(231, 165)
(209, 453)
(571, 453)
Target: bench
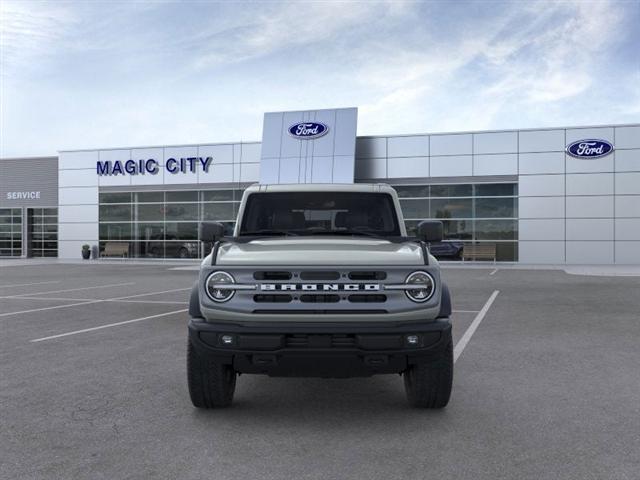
(115, 249)
(484, 251)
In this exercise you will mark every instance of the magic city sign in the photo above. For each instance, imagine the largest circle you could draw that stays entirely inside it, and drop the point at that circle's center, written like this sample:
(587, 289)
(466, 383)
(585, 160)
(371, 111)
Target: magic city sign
(589, 148)
(152, 167)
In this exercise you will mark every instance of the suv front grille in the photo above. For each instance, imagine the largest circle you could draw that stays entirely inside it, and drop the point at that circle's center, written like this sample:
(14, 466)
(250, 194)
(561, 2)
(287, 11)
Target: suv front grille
(307, 275)
(363, 275)
(271, 275)
(319, 298)
(320, 290)
(359, 298)
(309, 298)
(272, 298)
(319, 275)
(320, 341)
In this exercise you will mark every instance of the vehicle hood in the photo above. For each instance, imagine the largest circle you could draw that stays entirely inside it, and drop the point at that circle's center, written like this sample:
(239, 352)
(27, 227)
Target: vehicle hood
(319, 251)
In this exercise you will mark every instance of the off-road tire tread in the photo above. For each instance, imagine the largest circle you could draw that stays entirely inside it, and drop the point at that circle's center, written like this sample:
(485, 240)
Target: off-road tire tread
(211, 384)
(428, 383)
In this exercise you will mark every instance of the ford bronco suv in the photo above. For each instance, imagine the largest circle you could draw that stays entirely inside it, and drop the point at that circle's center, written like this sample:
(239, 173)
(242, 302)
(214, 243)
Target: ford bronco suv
(320, 280)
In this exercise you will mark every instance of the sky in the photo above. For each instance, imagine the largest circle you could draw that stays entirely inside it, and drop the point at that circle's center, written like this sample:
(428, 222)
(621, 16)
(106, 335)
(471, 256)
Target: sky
(96, 74)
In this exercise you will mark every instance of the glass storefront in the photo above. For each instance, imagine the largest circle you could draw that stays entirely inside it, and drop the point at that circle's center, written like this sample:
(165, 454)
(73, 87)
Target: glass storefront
(163, 224)
(42, 229)
(10, 232)
(472, 214)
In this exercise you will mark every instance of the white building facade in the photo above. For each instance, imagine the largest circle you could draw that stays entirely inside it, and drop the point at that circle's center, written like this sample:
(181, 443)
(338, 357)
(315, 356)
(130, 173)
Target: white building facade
(520, 190)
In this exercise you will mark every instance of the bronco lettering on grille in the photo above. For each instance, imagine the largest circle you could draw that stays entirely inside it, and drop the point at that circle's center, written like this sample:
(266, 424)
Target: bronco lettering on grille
(323, 287)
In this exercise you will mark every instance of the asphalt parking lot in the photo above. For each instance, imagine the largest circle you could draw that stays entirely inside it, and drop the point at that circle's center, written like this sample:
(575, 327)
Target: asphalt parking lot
(93, 385)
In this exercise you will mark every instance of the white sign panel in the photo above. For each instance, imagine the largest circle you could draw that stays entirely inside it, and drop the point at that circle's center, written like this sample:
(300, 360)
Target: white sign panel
(312, 146)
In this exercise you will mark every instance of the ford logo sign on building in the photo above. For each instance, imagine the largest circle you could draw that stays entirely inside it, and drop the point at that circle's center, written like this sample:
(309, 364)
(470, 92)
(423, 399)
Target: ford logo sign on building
(589, 148)
(308, 130)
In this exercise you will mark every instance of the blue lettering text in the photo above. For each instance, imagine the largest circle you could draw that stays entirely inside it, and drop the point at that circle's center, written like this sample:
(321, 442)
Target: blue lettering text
(172, 165)
(117, 168)
(205, 163)
(103, 168)
(151, 166)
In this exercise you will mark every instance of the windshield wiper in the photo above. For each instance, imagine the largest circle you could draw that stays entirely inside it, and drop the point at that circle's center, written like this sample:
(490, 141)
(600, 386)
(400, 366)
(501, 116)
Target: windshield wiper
(363, 233)
(366, 233)
(266, 231)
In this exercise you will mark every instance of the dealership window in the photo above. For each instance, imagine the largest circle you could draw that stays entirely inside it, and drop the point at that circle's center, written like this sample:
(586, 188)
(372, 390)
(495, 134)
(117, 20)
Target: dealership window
(164, 224)
(43, 232)
(10, 232)
(480, 213)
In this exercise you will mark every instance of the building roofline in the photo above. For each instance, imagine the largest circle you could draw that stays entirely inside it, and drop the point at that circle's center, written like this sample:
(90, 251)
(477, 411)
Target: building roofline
(40, 157)
(461, 132)
(467, 132)
(313, 110)
(205, 144)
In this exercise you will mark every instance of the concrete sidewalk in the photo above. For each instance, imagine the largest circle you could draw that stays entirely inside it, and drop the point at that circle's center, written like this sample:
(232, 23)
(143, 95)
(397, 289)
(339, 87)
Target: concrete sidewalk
(592, 270)
(194, 264)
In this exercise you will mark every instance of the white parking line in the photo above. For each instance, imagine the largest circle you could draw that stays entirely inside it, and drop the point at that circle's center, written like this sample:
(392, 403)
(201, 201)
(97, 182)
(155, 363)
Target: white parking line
(107, 326)
(60, 299)
(462, 343)
(88, 302)
(71, 289)
(160, 302)
(152, 293)
(494, 271)
(28, 284)
(49, 308)
(67, 299)
(25, 297)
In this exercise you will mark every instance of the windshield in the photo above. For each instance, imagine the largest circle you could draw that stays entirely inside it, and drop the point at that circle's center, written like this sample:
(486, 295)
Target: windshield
(320, 213)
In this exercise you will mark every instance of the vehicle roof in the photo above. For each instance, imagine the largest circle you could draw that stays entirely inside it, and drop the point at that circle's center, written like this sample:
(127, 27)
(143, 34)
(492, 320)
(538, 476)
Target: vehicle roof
(322, 187)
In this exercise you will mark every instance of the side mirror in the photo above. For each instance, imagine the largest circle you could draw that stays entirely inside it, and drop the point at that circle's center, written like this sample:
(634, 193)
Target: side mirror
(430, 231)
(211, 231)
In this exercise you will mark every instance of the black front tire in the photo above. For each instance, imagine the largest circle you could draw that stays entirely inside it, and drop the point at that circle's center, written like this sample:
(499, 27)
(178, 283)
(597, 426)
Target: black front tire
(211, 384)
(428, 383)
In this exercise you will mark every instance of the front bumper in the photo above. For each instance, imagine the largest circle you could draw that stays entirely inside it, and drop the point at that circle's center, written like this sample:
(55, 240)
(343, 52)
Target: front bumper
(320, 349)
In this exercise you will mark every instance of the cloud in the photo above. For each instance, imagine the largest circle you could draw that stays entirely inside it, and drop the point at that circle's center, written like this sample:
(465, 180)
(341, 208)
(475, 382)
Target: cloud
(30, 30)
(299, 28)
(77, 74)
(532, 57)
(559, 62)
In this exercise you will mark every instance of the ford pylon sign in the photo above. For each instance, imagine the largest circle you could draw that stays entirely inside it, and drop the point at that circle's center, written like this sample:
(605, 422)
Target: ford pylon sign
(589, 148)
(308, 130)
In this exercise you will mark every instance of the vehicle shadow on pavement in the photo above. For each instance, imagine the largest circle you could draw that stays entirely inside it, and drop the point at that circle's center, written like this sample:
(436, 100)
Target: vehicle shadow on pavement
(326, 402)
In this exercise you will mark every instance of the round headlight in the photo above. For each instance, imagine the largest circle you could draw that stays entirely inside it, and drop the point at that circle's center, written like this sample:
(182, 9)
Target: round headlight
(425, 286)
(215, 292)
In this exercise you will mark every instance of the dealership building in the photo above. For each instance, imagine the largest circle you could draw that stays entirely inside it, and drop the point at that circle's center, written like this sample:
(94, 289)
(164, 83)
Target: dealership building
(567, 195)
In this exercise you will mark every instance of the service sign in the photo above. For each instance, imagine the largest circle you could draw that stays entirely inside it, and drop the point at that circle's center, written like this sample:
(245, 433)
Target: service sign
(308, 130)
(23, 195)
(589, 149)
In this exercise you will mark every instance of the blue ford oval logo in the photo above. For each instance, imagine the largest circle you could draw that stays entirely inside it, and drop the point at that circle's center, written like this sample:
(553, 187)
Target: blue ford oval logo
(308, 130)
(590, 148)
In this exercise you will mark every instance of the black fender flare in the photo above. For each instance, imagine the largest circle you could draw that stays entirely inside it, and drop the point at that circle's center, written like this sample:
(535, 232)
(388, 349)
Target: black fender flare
(445, 302)
(194, 302)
